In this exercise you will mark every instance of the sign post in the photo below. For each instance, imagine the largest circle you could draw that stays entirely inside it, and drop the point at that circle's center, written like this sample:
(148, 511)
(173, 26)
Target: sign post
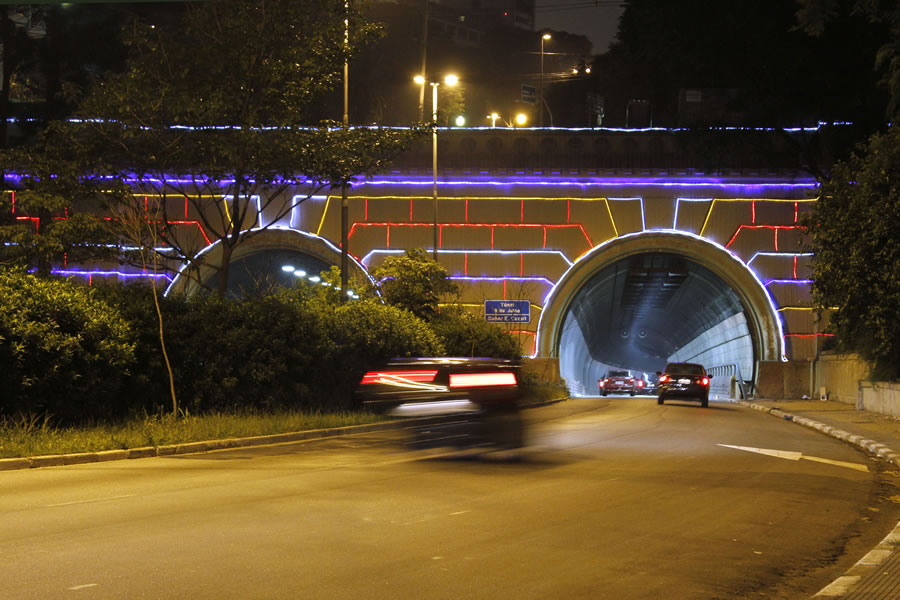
(507, 311)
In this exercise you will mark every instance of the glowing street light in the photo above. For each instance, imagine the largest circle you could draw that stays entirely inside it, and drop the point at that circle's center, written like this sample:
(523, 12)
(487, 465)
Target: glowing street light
(493, 117)
(521, 119)
(449, 80)
(460, 120)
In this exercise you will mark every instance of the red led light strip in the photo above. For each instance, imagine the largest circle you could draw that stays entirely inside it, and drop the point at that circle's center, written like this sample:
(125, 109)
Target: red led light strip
(441, 226)
(774, 228)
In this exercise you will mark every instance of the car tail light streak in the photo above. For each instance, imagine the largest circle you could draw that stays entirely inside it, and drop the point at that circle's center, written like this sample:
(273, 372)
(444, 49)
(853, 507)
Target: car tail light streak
(458, 380)
(400, 378)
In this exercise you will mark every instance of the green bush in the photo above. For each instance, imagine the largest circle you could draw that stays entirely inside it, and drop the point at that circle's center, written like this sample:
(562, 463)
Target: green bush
(366, 333)
(464, 334)
(63, 352)
(295, 349)
(226, 355)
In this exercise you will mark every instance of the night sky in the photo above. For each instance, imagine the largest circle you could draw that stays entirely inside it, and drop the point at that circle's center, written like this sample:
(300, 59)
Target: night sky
(596, 19)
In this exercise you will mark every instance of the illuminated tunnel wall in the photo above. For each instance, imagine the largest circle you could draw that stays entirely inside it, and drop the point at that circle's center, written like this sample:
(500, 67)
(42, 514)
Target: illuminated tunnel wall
(516, 237)
(516, 233)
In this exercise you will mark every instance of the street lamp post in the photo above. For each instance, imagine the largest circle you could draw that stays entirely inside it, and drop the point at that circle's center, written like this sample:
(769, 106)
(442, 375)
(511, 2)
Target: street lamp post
(544, 38)
(450, 80)
(345, 205)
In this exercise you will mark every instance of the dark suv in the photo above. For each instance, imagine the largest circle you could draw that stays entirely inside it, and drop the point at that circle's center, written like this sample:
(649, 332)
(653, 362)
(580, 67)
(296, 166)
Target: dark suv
(482, 393)
(620, 382)
(684, 380)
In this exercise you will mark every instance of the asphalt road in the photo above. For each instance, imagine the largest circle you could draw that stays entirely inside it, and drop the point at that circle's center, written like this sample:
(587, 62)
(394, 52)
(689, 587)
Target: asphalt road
(614, 498)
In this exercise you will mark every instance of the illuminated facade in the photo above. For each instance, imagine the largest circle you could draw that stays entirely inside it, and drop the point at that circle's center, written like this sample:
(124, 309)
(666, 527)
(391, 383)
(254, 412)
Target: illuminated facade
(623, 263)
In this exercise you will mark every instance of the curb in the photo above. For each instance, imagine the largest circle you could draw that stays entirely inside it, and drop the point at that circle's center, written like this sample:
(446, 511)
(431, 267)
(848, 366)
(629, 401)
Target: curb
(867, 565)
(58, 460)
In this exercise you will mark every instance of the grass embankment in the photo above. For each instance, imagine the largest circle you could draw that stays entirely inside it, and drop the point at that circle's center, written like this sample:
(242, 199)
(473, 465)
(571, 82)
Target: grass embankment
(25, 437)
(36, 436)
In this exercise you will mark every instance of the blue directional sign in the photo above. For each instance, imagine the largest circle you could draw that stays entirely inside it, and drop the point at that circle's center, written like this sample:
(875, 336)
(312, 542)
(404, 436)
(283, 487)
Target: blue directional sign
(507, 311)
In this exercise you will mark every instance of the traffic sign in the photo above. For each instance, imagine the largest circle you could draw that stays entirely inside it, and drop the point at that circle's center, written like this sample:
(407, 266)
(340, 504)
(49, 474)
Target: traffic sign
(507, 311)
(529, 94)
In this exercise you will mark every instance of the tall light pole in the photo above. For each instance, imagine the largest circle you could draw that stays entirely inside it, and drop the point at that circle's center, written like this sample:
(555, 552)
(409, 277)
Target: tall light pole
(450, 80)
(544, 38)
(345, 205)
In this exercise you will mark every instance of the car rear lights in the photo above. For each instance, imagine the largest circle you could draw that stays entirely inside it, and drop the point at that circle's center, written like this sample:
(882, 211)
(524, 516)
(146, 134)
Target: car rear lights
(663, 378)
(704, 381)
(393, 377)
(602, 382)
(640, 383)
(459, 380)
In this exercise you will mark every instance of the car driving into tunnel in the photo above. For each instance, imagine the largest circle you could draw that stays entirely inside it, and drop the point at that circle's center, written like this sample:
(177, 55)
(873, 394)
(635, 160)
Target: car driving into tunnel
(620, 382)
(684, 380)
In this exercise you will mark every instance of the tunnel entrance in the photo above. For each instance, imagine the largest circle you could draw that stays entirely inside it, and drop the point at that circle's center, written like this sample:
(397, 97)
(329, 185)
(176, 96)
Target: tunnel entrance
(642, 300)
(274, 255)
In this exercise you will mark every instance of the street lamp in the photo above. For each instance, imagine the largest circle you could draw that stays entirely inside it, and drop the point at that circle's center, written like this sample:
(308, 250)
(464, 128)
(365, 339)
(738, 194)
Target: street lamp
(544, 38)
(493, 117)
(449, 80)
(521, 119)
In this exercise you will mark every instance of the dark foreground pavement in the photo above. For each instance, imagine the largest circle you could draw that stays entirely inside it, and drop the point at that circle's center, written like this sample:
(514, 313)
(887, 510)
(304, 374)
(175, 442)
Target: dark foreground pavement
(876, 576)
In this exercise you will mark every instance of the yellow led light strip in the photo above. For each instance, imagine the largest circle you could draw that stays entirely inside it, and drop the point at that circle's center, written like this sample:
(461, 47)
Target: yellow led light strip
(714, 200)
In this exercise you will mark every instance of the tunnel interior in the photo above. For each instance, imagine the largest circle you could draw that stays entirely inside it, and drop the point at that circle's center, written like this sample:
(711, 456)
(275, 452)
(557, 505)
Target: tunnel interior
(261, 270)
(647, 309)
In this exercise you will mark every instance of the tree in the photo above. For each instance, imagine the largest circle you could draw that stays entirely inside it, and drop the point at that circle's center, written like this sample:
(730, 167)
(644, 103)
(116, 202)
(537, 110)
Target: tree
(853, 232)
(214, 113)
(815, 16)
(414, 281)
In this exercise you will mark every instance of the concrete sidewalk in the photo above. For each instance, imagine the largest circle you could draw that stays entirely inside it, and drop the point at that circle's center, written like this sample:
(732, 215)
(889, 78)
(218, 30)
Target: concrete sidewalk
(876, 576)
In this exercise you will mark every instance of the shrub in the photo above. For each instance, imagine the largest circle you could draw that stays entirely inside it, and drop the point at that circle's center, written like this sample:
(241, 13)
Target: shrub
(464, 334)
(364, 333)
(63, 351)
(295, 349)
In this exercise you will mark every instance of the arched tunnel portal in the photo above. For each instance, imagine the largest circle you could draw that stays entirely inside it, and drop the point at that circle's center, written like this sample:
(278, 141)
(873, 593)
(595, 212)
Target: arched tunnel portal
(644, 299)
(273, 256)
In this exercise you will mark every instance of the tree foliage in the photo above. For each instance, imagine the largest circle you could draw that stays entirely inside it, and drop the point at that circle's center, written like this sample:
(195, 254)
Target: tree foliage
(465, 334)
(815, 16)
(63, 352)
(853, 232)
(215, 113)
(414, 281)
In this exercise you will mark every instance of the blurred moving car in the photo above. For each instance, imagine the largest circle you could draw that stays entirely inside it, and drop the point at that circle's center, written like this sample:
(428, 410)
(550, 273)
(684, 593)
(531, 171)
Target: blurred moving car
(620, 382)
(684, 380)
(482, 392)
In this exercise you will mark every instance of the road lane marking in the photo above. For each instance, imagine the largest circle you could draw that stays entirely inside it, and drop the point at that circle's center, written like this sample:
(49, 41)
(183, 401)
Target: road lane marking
(89, 501)
(787, 454)
(81, 587)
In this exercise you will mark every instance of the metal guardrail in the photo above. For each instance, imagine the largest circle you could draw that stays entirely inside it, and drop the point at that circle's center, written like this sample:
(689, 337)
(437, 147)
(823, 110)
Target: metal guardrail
(730, 370)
